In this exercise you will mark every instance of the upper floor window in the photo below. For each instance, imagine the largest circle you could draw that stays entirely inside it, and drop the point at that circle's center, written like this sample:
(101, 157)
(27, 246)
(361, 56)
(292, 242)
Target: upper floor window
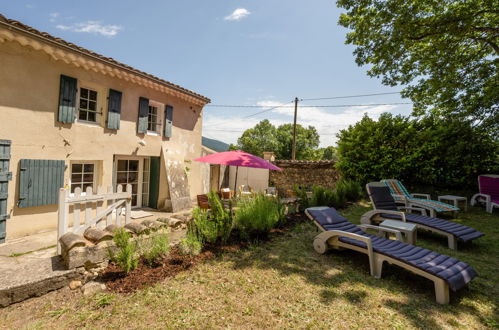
(153, 119)
(87, 110)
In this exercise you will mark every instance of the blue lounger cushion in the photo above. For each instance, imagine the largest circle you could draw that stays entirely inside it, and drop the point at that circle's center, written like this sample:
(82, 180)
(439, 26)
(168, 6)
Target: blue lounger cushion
(456, 273)
(383, 200)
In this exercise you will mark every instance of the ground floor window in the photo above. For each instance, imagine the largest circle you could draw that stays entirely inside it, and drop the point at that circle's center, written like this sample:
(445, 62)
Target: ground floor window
(83, 175)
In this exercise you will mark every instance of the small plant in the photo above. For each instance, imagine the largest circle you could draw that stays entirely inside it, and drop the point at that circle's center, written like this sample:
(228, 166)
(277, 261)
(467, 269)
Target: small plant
(350, 189)
(338, 199)
(257, 216)
(322, 196)
(158, 246)
(190, 245)
(58, 312)
(212, 226)
(301, 194)
(126, 257)
(103, 300)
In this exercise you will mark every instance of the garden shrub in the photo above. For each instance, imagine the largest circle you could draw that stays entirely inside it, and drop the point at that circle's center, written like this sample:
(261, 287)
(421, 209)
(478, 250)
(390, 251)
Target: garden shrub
(351, 190)
(301, 194)
(321, 196)
(338, 199)
(212, 226)
(158, 246)
(191, 244)
(126, 257)
(257, 216)
(431, 151)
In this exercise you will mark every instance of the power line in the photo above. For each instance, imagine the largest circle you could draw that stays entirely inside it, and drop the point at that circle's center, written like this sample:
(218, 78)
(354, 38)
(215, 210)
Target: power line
(307, 106)
(266, 110)
(348, 96)
(242, 130)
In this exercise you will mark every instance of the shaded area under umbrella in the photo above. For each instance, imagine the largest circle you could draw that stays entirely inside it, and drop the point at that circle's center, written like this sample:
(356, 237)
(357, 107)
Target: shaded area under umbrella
(237, 158)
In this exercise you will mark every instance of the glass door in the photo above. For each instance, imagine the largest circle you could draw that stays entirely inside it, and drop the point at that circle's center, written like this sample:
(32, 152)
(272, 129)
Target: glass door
(128, 171)
(145, 182)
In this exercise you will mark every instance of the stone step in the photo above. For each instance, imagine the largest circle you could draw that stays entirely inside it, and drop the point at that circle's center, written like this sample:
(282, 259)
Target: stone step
(33, 278)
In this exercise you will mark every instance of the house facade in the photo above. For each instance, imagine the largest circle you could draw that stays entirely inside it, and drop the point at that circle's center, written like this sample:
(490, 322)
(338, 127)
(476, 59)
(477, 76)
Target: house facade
(72, 118)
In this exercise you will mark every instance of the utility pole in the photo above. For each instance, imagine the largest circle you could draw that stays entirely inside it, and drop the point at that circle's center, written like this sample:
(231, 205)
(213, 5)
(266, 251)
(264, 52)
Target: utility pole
(293, 148)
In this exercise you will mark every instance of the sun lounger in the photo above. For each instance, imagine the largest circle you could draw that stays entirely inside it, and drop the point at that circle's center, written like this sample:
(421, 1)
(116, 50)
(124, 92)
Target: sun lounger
(385, 207)
(489, 192)
(401, 194)
(338, 232)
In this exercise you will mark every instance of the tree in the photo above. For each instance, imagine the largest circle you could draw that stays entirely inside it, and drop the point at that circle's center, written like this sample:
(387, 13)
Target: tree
(445, 52)
(329, 153)
(307, 142)
(429, 151)
(266, 137)
(258, 139)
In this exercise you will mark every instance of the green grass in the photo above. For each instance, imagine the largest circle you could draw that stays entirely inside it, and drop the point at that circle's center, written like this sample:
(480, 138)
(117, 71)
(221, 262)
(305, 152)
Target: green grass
(284, 283)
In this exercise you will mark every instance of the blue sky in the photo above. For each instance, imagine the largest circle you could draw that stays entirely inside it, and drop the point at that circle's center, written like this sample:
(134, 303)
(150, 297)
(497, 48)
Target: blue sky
(253, 52)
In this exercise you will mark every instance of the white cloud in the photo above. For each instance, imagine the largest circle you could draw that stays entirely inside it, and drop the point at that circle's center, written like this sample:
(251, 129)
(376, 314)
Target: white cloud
(30, 6)
(92, 27)
(327, 121)
(237, 14)
(53, 17)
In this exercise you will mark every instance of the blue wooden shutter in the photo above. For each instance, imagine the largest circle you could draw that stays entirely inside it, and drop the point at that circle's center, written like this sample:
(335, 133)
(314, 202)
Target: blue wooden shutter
(168, 121)
(114, 109)
(5, 177)
(143, 113)
(67, 100)
(40, 181)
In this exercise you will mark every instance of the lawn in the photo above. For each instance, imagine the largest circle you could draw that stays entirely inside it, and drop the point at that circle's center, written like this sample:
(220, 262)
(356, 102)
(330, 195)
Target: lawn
(284, 283)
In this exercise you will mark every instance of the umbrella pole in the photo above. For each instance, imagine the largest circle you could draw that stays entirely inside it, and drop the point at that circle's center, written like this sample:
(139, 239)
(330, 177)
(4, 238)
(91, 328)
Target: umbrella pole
(235, 181)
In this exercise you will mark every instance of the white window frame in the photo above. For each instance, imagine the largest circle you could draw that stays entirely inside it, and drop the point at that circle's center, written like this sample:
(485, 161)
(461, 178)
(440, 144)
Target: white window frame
(159, 118)
(83, 162)
(98, 112)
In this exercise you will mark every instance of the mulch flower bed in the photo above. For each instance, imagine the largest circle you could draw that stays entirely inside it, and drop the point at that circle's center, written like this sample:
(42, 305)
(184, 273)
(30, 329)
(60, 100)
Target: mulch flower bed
(175, 262)
(145, 275)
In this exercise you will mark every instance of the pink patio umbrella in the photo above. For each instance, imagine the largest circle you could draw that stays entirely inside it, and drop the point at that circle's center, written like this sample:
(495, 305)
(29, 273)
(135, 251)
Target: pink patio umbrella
(237, 158)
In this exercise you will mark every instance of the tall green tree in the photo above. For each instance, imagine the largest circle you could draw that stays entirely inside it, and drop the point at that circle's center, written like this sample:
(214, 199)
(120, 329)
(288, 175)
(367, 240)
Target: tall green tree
(444, 52)
(266, 137)
(258, 139)
(307, 142)
(329, 153)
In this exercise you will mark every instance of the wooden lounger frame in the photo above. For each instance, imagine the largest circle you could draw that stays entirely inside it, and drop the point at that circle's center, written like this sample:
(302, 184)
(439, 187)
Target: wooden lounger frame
(330, 239)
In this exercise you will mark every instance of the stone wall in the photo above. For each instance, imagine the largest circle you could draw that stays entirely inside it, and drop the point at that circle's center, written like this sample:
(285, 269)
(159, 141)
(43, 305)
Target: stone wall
(303, 173)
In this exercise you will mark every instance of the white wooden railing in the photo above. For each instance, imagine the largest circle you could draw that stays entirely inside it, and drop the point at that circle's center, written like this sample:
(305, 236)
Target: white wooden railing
(97, 207)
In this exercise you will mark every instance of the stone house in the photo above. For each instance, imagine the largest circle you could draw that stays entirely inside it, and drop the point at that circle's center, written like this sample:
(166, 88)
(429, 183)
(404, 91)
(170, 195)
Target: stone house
(72, 118)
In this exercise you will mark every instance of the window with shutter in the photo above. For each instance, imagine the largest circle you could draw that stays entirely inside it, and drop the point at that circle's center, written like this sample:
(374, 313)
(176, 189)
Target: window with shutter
(143, 115)
(5, 177)
(67, 100)
(114, 109)
(40, 181)
(168, 121)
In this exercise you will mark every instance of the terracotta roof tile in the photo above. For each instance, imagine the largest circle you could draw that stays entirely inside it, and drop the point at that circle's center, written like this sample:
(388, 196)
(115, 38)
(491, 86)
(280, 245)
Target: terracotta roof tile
(24, 27)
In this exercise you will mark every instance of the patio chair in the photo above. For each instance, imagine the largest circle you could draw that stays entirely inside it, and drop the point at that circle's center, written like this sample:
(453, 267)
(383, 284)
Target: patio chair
(385, 207)
(271, 192)
(245, 191)
(226, 194)
(203, 202)
(489, 192)
(400, 194)
(338, 233)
